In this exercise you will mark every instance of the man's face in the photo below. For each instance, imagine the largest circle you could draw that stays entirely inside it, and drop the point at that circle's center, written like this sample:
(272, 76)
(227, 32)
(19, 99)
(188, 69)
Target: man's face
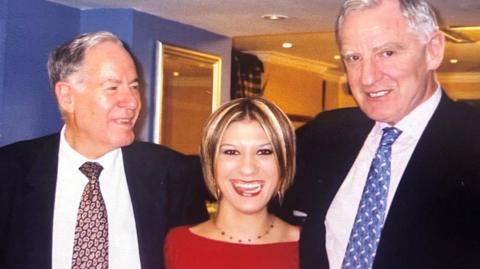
(101, 101)
(390, 71)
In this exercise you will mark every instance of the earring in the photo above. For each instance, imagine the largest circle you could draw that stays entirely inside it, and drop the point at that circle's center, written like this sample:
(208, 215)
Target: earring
(218, 193)
(280, 197)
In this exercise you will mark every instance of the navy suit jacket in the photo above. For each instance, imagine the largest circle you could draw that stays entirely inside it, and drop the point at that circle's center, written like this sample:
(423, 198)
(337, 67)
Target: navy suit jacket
(166, 190)
(434, 218)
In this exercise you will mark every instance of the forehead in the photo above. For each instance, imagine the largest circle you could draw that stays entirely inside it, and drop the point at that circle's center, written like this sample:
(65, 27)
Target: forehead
(108, 51)
(373, 26)
(244, 129)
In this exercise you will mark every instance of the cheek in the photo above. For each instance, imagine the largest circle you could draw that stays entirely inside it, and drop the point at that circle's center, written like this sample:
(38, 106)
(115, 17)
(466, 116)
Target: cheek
(105, 103)
(394, 70)
(407, 66)
(224, 168)
(270, 169)
(354, 80)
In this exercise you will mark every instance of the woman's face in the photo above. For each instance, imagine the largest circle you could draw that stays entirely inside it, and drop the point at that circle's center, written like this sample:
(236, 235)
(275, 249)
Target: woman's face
(246, 168)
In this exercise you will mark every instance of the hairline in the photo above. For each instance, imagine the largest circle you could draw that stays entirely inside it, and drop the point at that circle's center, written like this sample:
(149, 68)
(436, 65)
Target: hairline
(275, 135)
(421, 30)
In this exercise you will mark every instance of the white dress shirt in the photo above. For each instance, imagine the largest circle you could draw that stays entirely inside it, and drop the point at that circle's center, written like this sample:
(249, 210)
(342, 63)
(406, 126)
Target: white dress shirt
(122, 233)
(343, 209)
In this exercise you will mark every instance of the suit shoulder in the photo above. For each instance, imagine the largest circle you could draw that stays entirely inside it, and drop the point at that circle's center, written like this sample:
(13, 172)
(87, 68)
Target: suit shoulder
(148, 153)
(146, 148)
(467, 112)
(337, 120)
(26, 148)
(458, 118)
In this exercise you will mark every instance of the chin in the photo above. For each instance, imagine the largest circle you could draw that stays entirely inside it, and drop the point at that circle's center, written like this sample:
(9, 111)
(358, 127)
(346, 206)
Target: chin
(252, 208)
(123, 141)
(252, 211)
(378, 114)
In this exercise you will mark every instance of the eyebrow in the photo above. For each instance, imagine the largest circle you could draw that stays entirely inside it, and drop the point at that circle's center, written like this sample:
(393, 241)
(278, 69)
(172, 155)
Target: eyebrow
(266, 144)
(232, 145)
(113, 80)
(136, 80)
(396, 45)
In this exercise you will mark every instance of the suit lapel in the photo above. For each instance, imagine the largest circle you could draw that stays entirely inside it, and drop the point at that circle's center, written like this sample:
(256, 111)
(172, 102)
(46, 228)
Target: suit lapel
(415, 188)
(147, 184)
(336, 156)
(343, 156)
(38, 204)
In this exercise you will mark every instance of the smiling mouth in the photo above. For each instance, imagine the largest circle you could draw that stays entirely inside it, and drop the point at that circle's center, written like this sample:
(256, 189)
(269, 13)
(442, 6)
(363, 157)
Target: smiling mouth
(124, 122)
(378, 94)
(249, 188)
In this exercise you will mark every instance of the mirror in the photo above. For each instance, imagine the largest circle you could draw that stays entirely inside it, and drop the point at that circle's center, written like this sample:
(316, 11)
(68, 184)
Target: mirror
(187, 91)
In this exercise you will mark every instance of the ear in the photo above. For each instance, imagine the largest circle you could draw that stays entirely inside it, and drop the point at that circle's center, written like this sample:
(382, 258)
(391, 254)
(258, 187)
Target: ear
(435, 50)
(64, 95)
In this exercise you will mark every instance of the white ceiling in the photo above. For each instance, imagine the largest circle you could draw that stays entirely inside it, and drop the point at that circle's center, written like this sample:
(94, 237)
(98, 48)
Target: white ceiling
(306, 27)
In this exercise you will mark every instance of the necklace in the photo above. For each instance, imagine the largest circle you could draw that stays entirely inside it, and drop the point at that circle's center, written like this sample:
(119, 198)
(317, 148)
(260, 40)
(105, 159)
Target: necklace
(248, 240)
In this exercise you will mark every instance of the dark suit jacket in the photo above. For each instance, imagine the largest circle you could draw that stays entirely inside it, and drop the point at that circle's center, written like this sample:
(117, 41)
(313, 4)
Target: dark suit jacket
(433, 221)
(165, 188)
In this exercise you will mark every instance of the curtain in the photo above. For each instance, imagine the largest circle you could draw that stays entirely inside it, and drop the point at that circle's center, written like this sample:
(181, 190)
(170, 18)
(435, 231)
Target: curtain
(247, 72)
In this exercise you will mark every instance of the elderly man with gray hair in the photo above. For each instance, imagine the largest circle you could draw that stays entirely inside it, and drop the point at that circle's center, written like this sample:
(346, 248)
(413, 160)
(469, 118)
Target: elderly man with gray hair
(89, 196)
(395, 182)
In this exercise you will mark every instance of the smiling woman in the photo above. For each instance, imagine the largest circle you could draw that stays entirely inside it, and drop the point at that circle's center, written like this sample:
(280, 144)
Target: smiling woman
(248, 157)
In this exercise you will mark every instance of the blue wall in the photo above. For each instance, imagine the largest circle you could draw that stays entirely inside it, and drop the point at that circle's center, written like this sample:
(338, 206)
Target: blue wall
(28, 108)
(141, 31)
(3, 26)
(30, 29)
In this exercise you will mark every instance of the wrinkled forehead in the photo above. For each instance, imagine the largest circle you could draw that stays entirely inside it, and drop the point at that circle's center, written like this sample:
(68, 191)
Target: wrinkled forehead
(378, 24)
(376, 12)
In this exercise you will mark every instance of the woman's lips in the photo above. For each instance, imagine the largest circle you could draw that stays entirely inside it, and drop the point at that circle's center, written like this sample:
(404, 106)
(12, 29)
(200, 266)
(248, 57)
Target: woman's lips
(247, 188)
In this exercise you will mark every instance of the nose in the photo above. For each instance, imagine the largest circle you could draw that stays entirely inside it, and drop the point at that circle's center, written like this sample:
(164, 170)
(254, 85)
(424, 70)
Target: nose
(370, 72)
(130, 98)
(248, 165)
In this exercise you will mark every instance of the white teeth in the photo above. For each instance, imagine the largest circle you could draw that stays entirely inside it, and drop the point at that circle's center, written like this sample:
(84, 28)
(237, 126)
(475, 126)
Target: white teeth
(377, 94)
(248, 189)
(248, 185)
(123, 121)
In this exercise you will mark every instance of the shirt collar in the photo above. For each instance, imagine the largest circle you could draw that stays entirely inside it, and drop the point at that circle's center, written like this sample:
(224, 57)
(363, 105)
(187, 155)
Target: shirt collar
(107, 160)
(415, 122)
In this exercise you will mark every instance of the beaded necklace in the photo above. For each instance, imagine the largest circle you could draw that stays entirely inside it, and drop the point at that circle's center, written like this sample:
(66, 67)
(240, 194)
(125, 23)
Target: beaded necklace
(248, 240)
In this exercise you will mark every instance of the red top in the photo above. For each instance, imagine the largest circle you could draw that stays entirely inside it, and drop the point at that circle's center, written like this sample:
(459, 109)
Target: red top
(185, 250)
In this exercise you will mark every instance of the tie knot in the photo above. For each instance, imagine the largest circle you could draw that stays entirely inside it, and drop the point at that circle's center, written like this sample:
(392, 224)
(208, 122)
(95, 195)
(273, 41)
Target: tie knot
(91, 169)
(390, 134)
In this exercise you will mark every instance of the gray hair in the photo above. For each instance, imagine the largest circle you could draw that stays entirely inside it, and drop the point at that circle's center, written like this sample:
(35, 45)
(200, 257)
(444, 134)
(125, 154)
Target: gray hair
(419, 14)
(67, 59)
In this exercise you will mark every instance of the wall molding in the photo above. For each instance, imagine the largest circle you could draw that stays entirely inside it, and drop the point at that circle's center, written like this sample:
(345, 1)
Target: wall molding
(460, 77)
(323, 68)
(327, 69)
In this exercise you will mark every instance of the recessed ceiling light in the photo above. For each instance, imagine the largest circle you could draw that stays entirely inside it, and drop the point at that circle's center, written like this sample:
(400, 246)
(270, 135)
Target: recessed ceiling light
(453, 61)
(176, 74)
(287, 45)
(337, 57)
(275, 17)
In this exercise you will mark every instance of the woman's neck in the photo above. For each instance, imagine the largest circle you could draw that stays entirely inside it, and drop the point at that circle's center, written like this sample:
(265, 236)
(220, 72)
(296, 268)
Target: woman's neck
(242, 227)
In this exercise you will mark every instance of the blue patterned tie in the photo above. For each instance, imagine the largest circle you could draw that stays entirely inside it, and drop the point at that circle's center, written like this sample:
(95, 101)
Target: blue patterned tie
(368, 224)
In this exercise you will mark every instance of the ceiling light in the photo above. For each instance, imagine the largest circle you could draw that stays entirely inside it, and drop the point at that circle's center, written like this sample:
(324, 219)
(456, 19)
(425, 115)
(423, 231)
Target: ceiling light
(337, 57)
(275, 17)
(287, 45)
(176, 74)
(453, 61)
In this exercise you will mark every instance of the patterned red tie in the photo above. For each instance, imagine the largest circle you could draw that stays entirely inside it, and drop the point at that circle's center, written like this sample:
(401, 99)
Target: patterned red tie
(90, 248)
